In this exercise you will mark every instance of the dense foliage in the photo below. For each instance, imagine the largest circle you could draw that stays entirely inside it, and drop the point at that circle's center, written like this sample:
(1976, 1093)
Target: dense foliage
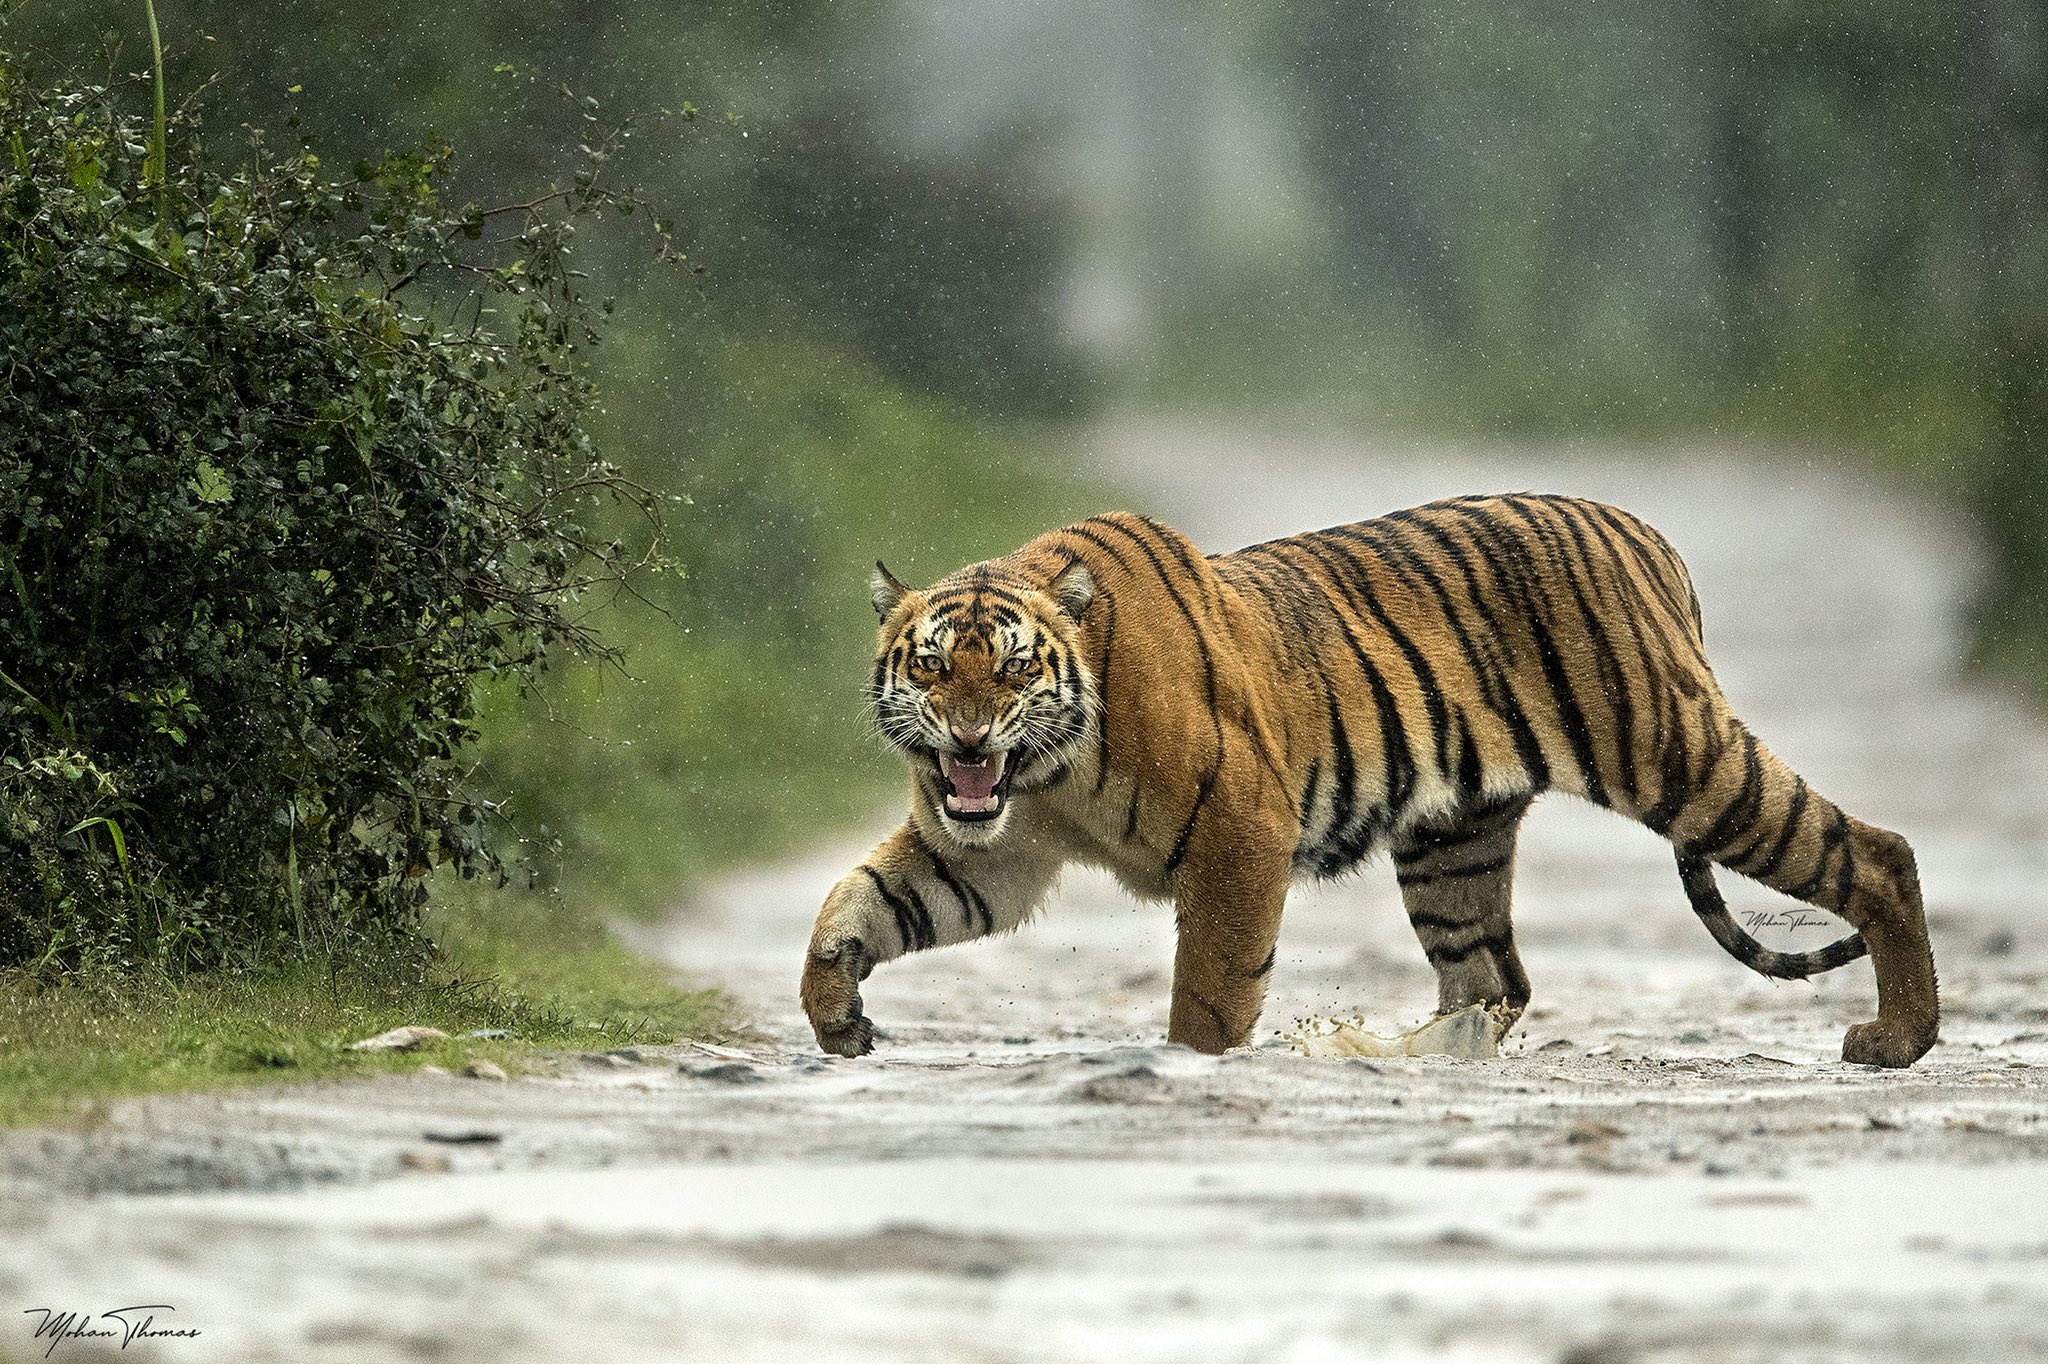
(288, 463)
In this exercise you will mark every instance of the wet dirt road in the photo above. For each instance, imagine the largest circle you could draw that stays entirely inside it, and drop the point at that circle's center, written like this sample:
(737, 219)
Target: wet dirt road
(1669, 1164)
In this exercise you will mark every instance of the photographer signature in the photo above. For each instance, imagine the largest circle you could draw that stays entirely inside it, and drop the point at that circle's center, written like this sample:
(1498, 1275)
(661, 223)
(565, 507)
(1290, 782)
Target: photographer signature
(128, 1324)
(1782, 918)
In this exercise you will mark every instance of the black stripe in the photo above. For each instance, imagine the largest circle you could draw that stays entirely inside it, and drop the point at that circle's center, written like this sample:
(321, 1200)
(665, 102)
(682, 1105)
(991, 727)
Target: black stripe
(1187, 614)
(1800, 795)
(1102, 691)
(1488, 536)
(1663, 580)
(971, 903)
(1496, 943)
(1425, 674)
(1177, 545)
(1674, 768)
(1310, 790)
(1471, 776)
(1180, 602)
(1613, 683)
(1433, 921)
(1389, 542)
(1613, 674)
(972, 596)
(1528, 749)
(1478, 823)
(1629, 608)
(1263, 967)
(927, 930)
(1836, 834)
(1131, 820)
(1410, 879)
(904, 924)
(1343, 787)
(1609, 525)
(1741, 812)
(1187, 830)
(1396, 751)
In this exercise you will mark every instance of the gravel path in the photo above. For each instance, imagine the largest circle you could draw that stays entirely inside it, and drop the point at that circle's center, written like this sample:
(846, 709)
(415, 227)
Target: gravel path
(1669, 1165)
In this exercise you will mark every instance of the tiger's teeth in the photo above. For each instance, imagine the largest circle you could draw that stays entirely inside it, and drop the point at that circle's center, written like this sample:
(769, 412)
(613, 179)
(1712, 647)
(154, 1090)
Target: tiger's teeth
(971, 787)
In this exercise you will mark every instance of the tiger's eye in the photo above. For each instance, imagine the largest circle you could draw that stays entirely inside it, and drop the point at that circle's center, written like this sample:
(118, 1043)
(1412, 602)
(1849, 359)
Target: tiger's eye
(930, 663)
(1016, 666)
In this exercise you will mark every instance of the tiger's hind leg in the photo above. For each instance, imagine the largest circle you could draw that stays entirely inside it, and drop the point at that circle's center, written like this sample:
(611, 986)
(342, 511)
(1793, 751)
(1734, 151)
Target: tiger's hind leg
(1746, 810)
(1457, 879)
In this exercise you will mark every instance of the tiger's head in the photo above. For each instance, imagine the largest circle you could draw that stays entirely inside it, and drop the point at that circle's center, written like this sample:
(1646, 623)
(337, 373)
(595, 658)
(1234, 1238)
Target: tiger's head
(979, 680)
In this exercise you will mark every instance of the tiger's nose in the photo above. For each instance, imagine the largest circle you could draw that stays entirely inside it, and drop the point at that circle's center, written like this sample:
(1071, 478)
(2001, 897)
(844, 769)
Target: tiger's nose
(970, 735)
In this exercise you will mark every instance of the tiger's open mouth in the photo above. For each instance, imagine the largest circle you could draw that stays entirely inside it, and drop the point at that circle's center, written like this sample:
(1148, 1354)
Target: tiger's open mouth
(975, 791)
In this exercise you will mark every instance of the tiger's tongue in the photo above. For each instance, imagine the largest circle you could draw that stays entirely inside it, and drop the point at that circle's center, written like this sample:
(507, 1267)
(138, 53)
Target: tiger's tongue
(973, 783)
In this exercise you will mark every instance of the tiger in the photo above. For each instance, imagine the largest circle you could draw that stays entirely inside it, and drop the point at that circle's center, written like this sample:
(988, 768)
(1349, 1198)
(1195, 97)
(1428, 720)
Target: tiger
(1211, 729)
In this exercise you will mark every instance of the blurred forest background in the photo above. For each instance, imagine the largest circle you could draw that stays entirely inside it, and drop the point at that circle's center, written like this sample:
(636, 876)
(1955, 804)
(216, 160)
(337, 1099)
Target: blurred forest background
(932, 240)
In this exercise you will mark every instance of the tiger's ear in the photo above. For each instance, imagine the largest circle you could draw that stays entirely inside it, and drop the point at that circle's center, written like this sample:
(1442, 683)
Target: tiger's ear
(1074, 590)
(884, 590)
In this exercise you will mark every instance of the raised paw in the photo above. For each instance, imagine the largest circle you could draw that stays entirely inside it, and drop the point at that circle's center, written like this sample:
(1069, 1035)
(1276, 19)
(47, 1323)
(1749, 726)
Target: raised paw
(1881, 1043)
(831, 998)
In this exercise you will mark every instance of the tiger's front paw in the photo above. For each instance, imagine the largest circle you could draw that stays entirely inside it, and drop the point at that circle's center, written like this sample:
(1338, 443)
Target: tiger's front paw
(831, 997)
(1883, 1043)
(856, 1038)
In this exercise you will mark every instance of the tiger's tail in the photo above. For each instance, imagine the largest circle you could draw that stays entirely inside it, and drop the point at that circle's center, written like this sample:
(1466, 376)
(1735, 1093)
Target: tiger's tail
(1697, 875)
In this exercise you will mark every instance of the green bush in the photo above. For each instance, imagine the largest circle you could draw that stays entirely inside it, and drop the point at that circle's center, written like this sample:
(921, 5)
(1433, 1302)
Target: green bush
(288, 464)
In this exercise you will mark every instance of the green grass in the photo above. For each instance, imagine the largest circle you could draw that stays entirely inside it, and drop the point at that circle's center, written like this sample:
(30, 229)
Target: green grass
(550, 979)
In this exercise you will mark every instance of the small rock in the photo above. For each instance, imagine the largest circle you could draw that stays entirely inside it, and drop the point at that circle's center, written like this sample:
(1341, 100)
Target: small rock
(1691, 1039)
(471, 1137)
(431, 1069)
(425, 1162)
(485, 1070)
(408, 1038)
(1986, 1077)
(602, 1058)
(632, 1056)
(725, 1073)
(488, 1034)
(1139, 1084)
